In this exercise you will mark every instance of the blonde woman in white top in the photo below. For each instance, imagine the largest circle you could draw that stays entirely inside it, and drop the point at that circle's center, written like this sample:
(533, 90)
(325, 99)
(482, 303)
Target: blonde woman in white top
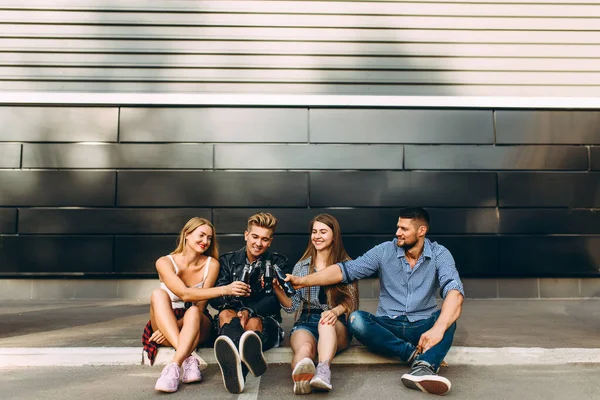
(178, 315)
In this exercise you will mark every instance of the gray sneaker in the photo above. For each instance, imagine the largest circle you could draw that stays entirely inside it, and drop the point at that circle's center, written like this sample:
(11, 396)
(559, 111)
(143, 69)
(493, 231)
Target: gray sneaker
(422, 377)
(322, 379)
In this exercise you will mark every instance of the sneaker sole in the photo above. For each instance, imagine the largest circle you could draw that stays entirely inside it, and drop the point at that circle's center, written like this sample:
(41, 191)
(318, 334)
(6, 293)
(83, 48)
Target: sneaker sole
(252, 355)
(192, 380)
(229, 361)
(319, 384)
(432, 384)
(302, 375)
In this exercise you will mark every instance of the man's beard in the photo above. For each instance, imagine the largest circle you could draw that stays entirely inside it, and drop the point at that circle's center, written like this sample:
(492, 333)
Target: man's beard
(409, 245)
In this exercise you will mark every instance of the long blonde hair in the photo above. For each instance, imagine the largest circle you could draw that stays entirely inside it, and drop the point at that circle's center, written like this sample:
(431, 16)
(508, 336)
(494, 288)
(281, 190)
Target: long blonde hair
(340, 293)
(191, 226)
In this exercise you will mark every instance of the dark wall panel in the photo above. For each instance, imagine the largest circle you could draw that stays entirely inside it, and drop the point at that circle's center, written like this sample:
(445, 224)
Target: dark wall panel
(8, 220)
(361, 220)
(58, 124)
(107, 221)
(310, 156)
(212, 189)
(401, 126)
(122, 156)
(214, 125)
(398, 189)
(548, 127)
(595, 158)
(549, 190)
(550, 256)
(549, 221)
(56, 254)
(57, 188)
(10, 155)
(497, 157)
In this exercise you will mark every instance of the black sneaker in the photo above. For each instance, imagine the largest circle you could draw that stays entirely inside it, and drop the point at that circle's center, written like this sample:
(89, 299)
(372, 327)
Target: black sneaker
(229, 361)
(422, 377)
(251, 353)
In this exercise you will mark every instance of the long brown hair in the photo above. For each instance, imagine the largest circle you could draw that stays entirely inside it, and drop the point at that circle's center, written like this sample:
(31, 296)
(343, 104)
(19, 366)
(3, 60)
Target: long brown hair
(191, 226)
(340, 293)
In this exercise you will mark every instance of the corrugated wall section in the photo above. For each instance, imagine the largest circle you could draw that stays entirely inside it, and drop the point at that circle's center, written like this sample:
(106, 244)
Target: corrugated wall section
(518, 48)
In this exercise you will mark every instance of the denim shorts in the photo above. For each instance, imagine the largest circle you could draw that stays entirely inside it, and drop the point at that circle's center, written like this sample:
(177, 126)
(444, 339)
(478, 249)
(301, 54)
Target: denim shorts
(310, 322)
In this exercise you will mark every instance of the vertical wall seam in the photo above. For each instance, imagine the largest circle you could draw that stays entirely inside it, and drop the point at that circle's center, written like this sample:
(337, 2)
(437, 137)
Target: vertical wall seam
(494, 126)
(118, 124)
(589, 154)
(21, 154)
(308, 190)
(308, 125)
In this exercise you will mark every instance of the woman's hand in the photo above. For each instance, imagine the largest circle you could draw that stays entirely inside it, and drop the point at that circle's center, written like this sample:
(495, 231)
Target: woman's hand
(328, 317)
(237, 288)
(158, 337)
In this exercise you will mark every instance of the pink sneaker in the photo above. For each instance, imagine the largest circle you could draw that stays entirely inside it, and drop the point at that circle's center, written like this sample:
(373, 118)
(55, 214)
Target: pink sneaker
(191, 370)
(169, 379)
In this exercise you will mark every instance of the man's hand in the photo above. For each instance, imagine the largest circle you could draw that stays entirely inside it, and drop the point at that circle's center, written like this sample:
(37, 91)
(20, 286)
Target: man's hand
(244, 316)
(296, 281)
(429, 339)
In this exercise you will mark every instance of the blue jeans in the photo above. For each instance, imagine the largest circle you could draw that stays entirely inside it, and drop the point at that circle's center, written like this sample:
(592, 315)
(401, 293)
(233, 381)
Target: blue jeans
(398, 337)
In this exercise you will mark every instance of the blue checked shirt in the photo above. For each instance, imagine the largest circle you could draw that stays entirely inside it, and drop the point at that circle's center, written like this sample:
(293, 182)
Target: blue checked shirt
(405, 290)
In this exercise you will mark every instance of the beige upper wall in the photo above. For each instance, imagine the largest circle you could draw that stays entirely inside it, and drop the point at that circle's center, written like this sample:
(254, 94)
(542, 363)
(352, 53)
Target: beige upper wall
(507, 48)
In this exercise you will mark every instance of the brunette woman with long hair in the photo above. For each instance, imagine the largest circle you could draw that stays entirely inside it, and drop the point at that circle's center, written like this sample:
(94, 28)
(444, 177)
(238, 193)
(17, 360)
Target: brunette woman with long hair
(321, 326)
(178, 315)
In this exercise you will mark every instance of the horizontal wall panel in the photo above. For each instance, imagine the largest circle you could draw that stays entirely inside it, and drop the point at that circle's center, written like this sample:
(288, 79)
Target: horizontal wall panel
(401, 126)
(122, 156)
(545, 256)
(10, 155)
(465, 8)
(554, 221)
(361, 220)
(213, 125)
(340, 34)
(57, 188)
(595, 158)
(8, 221)
(549, 190)
(58, 124)
(169, 47)
(297, 20)
(397, 189)
(56, 254)
(138, 254)
(497, 157)
(107, 221)
(268, 61)
(551, 127)
(308, 76)
(212, 189)
(322, 156)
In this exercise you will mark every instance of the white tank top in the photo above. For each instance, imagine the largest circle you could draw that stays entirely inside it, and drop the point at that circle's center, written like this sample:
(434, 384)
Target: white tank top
(176, 302)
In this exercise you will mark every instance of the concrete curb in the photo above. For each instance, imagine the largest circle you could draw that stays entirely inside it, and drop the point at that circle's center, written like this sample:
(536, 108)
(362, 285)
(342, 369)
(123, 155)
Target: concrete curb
(77, 356)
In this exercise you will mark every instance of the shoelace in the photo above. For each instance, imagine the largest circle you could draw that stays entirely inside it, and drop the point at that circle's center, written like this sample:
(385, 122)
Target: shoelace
(172, 369)
(187, 364)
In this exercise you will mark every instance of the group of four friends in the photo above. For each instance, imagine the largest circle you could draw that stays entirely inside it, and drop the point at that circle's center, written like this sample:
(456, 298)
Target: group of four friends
(321, 291)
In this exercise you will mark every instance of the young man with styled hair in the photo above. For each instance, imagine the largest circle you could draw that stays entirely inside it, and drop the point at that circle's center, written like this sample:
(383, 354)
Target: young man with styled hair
(248, 324)
(407, 324)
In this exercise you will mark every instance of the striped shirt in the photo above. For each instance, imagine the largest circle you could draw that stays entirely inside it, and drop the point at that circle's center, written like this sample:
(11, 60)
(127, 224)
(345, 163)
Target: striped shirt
(405, 290)
(301, 297)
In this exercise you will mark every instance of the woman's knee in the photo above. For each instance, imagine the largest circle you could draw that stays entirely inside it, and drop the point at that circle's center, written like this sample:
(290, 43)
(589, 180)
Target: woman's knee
(226, 316)
(159, 296)
(192, 314)
(254, 324)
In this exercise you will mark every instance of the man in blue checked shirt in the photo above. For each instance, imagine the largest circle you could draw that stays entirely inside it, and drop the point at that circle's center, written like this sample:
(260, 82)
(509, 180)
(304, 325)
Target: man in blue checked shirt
(407, 324)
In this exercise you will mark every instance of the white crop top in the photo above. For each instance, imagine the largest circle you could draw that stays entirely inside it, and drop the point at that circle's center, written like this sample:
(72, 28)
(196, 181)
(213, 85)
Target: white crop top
(176, 302)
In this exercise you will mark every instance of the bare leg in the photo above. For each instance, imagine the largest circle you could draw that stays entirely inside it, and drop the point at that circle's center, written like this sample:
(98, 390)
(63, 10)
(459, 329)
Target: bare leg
(189, 335)
(304, 345)
(226, 316)
(331, 339)
(254, 324)
(162, 317)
